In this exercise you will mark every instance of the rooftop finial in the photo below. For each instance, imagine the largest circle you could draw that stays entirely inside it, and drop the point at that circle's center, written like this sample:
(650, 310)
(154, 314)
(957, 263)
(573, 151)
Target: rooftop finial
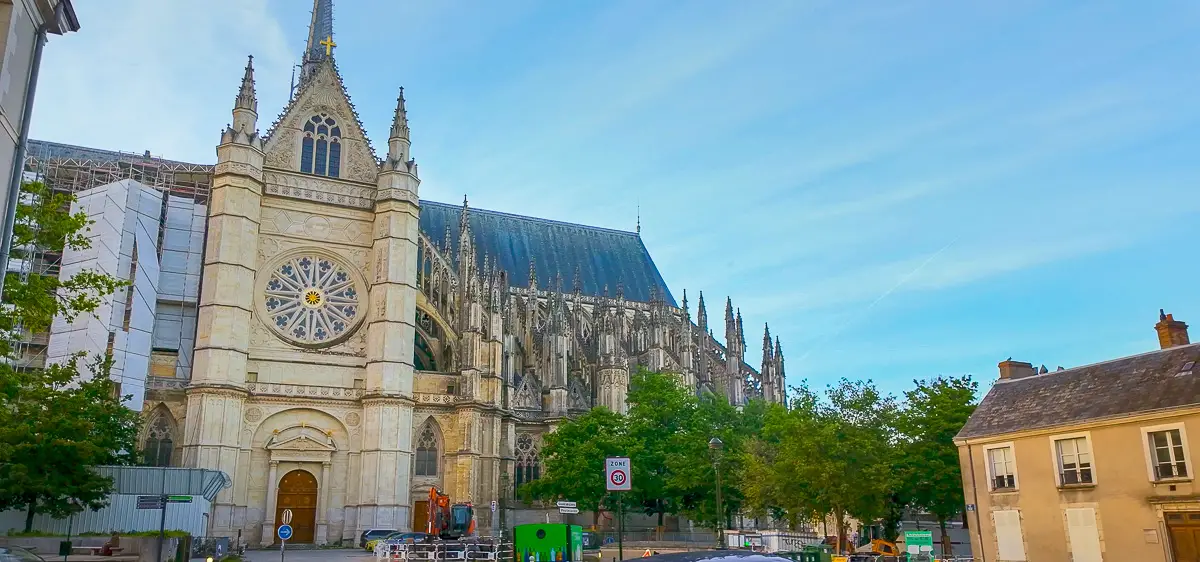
(639, 219)
(400, 120)
(246, 98)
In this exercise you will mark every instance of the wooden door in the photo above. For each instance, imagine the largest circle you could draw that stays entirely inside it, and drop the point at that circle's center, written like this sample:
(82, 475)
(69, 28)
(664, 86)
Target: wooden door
(421, 516)
(298, 492)
(1185, 536)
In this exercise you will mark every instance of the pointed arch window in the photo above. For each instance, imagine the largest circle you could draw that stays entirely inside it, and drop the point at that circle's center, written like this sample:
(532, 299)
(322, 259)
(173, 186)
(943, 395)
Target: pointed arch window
(321, 147)
(529, 466)
(159, 445)
(427, 453)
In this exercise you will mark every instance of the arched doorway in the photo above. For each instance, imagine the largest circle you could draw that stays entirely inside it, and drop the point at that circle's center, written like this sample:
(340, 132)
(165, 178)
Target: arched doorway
(298, 492)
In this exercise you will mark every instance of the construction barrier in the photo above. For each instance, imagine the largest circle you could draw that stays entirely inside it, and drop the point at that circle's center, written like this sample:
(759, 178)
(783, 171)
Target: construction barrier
(484, 549)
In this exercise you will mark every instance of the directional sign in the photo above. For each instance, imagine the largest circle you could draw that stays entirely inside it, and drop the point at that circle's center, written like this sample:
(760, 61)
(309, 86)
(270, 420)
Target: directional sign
(285, 532)
(150, 502)
(616, 474)
(568, 510)
(916, 542)
(179, 499)
(566, 504)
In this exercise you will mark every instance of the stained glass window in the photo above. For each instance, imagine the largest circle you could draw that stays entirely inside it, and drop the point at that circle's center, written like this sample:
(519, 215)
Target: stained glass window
(529, 466)
(427, 453)
(311, 299)
(321, 147)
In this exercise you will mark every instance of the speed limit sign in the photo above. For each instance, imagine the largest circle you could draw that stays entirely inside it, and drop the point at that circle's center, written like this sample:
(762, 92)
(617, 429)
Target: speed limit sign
(616, 474)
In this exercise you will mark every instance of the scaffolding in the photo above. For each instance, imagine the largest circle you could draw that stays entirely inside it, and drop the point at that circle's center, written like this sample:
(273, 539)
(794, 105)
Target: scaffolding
(72, 169)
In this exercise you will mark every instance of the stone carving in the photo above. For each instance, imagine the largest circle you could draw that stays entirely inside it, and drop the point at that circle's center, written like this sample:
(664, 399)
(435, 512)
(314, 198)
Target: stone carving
(429, 398)
(253, 415)
(303, 390)
(529, 394)
(578, 398)
(314, 227)
(285, 156)
(165, 383)
(310, 298)
(321, 190)
(353, 419)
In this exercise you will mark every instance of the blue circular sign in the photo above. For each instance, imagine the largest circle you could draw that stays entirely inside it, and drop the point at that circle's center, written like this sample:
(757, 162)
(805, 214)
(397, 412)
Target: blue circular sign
(285, 532)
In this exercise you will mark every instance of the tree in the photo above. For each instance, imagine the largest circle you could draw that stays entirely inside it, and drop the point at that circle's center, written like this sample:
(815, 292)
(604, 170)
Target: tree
(827, 455)
(661, 413)
(691, 463)
(56, 430)
(573, 459)
(935, 412)
(54, 424)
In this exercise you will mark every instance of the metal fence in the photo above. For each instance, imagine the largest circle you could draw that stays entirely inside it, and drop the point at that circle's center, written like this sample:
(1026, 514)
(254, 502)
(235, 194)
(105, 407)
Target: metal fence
(483, 549)
(707, 538)
(211, 546)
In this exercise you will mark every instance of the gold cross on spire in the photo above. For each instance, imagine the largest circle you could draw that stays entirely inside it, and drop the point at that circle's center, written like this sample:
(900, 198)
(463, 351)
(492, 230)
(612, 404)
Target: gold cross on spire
(329, 45)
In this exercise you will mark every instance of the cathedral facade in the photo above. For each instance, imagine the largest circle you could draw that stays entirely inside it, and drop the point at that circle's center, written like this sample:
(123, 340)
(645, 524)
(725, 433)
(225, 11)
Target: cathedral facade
(355, 345)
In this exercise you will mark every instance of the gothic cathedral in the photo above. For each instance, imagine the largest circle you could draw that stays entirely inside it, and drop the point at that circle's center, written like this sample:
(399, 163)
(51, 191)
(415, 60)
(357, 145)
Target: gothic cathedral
(356, 345)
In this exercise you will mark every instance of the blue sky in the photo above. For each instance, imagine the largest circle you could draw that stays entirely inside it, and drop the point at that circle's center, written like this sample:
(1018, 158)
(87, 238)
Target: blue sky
(902, 189)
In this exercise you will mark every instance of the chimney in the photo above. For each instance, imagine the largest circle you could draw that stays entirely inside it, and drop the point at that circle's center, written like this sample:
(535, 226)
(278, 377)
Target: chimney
(1171, 332)
(1010, 369)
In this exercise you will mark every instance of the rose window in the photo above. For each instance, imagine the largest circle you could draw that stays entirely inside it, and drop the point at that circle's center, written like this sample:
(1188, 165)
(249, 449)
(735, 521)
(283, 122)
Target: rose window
(312, 299)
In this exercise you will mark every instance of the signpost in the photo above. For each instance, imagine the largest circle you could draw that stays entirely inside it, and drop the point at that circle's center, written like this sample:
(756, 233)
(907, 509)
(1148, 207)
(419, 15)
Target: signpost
(918, 542)
(616, 479)
(285, 532)
(150, 502)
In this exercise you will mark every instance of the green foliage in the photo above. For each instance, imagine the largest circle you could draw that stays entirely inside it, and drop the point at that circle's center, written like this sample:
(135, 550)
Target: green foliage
(30, 304)
(930, 472)
(54, 423)
(56, 429)
(573, 459)
(826, 455)
(661, 412)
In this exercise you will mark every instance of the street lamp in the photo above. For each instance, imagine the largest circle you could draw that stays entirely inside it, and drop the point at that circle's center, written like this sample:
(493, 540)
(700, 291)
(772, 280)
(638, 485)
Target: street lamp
(715, 445)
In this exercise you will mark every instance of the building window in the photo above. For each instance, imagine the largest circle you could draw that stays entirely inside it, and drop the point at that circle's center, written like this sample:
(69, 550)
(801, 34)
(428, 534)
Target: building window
(427, 453)
(1003, 476)
(159, 445)
(529, 467)
(1166, 454)
(321, 147)
(1074, 461)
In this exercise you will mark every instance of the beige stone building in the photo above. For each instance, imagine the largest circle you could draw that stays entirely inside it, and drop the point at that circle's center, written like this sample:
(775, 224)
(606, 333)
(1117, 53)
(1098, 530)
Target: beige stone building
(299, 319)
(1088, 464)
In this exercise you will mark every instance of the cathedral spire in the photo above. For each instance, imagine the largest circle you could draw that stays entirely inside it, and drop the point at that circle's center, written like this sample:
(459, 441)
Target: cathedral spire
(320, 38)
(400, 119)
(245, 107)
(768, 352)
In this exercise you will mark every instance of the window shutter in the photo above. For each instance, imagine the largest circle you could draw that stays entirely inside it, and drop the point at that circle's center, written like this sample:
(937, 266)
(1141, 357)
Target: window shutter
(1084, 535)
(1009, 540)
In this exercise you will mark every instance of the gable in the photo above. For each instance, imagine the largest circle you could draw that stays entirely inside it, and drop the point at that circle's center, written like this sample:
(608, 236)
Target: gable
(323, 94)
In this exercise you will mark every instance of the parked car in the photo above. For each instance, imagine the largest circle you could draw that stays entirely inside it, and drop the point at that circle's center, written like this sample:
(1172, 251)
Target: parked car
(371, 534)
(404, 536)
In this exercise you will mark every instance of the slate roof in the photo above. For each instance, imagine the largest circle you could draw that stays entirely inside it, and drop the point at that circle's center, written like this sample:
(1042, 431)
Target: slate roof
(1163, 379)
(604, 257)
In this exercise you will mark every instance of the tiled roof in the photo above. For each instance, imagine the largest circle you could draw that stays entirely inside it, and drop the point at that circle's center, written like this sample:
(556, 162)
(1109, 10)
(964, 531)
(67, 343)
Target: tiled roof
(604, 257)
(1168, 378)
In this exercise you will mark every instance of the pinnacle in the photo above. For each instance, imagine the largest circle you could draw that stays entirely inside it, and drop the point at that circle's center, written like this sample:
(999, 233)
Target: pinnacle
(246, 98)
(400, 119)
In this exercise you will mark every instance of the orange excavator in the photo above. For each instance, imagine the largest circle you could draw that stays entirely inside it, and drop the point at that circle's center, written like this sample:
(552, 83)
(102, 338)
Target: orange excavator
(449, 522)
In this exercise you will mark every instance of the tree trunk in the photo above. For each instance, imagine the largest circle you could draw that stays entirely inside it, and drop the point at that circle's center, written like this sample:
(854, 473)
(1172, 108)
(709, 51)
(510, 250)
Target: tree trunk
(29, 515)
(840, 524)
(947, 546)
(660, 528)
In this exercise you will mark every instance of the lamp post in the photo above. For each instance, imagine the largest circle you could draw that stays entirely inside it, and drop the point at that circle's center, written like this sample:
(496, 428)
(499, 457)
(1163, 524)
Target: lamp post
(715, 445)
